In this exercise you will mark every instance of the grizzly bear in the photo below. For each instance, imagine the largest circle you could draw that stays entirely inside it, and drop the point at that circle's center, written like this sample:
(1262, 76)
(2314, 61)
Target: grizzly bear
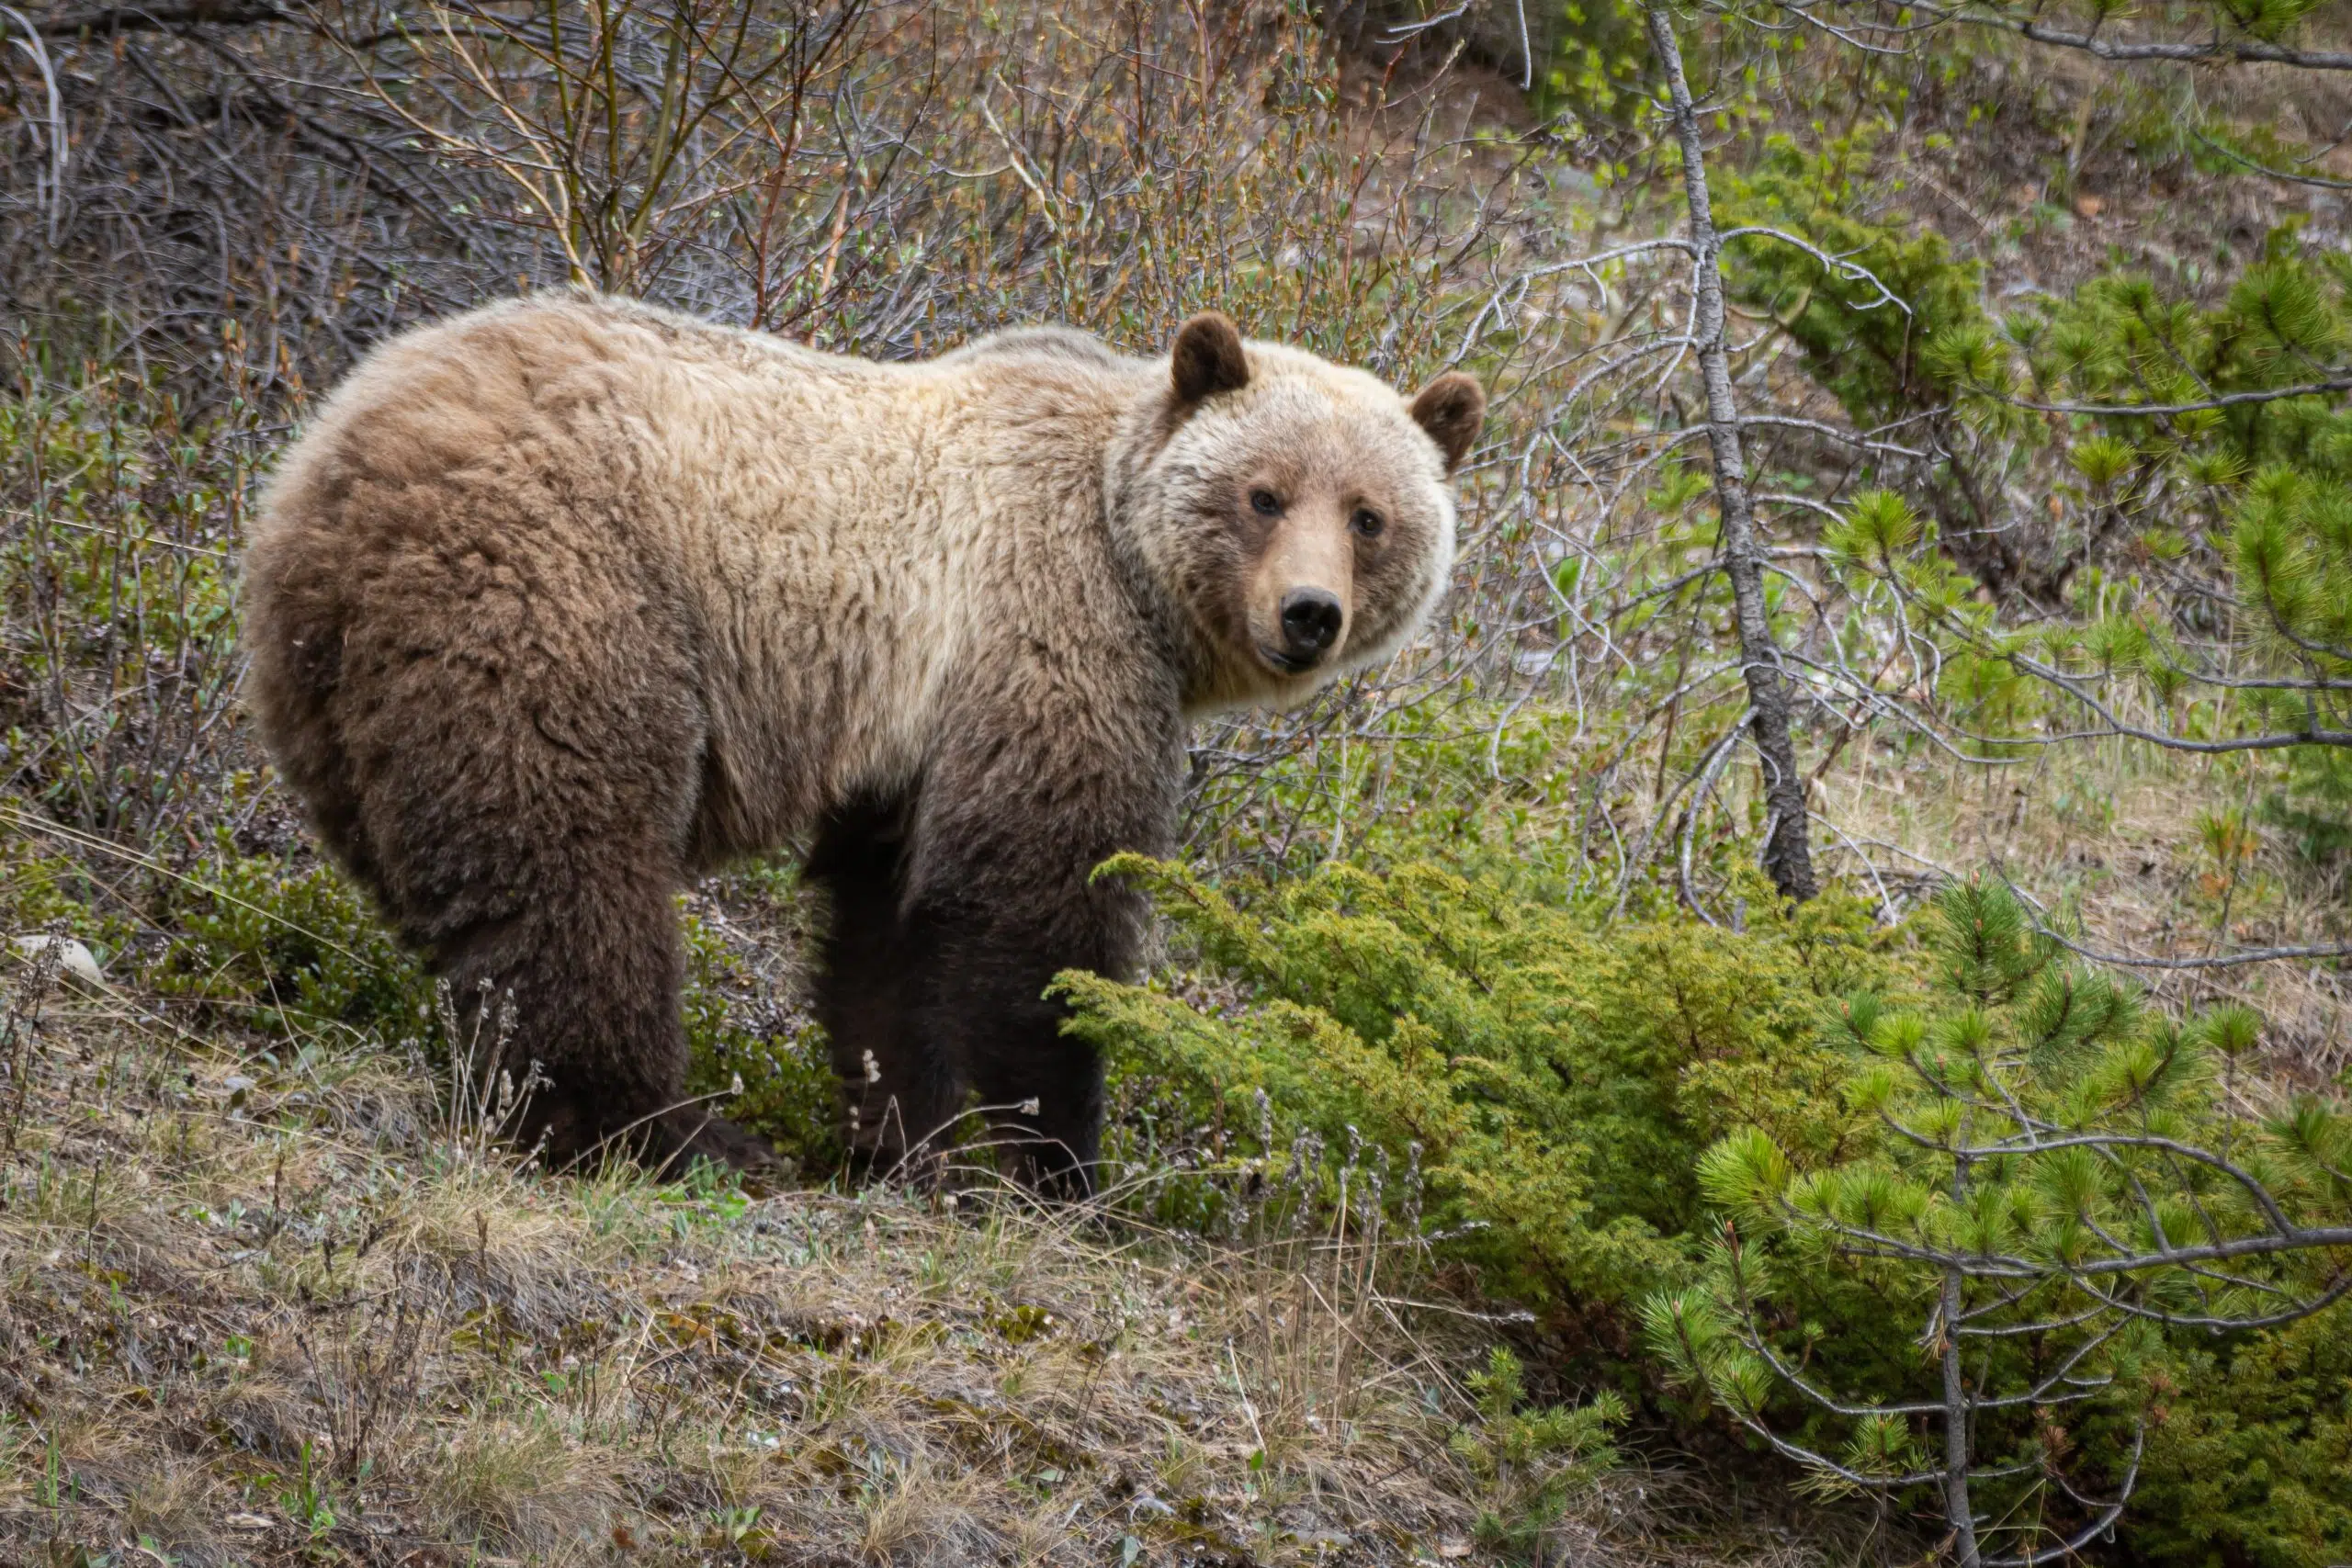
(560, 604)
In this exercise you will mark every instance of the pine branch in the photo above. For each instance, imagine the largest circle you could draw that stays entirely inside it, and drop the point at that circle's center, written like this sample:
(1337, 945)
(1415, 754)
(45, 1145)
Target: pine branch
(2218, 961)
(2320, 181)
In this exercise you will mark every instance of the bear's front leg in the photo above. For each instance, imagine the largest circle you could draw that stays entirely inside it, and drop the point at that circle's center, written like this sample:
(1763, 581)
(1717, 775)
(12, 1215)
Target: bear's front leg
(1000, 899)
(1039, 1090)
(903, 1096)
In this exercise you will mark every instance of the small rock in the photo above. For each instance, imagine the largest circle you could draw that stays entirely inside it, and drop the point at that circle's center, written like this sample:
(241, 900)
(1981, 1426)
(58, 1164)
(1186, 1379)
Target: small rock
(72, 958)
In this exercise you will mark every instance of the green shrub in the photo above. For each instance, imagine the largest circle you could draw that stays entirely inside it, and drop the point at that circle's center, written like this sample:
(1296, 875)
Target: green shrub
(119, 523)
(2044, 1172)
(1529, 1088)
(2250, 1454)
(39, 888)
(288, 944)
(790, 1094)
(1591, 57)
(1871, 352)
(1549, 1075)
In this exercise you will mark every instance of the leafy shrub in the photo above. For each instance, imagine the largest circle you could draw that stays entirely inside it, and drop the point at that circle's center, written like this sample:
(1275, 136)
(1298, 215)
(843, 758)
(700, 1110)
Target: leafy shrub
(1870, 351)
(117, 668)
(1596, 59)
(1549, 1083)
(289, 944)
(39, 888)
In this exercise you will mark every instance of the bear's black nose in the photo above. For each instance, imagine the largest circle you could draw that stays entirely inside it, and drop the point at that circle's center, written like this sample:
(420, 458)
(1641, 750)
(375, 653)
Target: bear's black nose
(1311, 621)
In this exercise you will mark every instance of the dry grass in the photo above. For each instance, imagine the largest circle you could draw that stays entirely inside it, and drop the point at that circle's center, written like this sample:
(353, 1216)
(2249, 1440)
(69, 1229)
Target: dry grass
(273, 1310)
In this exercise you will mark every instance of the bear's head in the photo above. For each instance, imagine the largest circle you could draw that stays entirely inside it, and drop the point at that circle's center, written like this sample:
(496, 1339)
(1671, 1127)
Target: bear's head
(1298, 514)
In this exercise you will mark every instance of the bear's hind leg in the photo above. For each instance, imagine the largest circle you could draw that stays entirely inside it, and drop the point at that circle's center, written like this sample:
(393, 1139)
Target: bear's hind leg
(593, 975)
(524, 745)
(589, 972)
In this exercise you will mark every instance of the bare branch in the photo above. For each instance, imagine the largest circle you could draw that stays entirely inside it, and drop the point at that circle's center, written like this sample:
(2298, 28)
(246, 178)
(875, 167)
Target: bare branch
(2226, 400)
(2243, 51)
(108, 19)
(1787, 854)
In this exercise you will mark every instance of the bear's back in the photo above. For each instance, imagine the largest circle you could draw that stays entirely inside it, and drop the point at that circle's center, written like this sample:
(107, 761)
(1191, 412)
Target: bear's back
(614, 392)
(832, 545)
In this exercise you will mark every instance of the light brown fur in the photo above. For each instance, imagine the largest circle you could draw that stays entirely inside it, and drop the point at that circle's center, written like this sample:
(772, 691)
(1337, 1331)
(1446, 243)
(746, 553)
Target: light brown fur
(561, 601)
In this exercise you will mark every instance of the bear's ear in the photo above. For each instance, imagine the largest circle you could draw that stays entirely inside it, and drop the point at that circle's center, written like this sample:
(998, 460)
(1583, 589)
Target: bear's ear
(1451, 409)
(1207, 358)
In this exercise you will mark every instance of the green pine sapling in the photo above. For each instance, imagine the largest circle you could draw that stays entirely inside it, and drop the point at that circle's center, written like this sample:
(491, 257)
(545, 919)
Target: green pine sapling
(2062, 1179)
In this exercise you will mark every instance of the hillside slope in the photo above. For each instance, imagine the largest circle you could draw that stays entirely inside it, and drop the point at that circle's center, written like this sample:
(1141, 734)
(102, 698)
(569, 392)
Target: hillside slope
(276, 1308)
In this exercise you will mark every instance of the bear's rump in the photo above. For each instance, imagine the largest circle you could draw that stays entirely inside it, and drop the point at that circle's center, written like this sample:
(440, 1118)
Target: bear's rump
(505, 687)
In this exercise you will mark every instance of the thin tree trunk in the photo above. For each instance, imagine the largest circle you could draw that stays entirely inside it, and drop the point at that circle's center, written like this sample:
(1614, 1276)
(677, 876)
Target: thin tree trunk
(1788, 855)
(1959, 1512)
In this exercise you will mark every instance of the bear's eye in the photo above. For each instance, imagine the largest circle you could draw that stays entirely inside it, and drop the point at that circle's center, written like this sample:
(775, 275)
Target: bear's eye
(1366, 523)
(1265, 503)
